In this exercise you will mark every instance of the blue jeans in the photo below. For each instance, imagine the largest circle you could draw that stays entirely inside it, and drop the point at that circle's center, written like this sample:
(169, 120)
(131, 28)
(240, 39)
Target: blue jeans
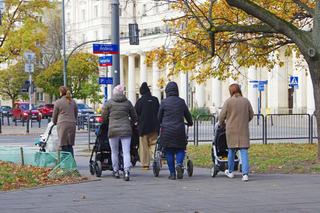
(244, 160)
(170, 154)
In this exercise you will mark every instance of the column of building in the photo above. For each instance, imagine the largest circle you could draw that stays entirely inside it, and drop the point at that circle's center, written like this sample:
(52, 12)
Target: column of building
(131, 79)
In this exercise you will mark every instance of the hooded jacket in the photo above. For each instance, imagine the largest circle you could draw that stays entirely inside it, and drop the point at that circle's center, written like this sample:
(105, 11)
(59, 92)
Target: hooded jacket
(147, 108)
(173, 110)
(120, 115)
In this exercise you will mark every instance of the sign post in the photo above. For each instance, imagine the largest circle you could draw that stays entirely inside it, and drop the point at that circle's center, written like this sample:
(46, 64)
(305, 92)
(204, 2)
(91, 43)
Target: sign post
(29, 68)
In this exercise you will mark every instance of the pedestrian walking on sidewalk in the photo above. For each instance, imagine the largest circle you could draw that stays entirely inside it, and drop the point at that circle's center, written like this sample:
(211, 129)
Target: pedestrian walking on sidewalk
(64, 115)
(235, 115)
(173, 110)
(120, 114)
(147, 108)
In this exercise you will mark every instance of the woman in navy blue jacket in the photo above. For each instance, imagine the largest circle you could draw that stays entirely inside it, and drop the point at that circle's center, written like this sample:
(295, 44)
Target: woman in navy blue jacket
(172, 112)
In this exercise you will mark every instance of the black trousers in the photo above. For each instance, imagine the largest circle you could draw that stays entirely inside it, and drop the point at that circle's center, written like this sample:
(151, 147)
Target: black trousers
(68, 148)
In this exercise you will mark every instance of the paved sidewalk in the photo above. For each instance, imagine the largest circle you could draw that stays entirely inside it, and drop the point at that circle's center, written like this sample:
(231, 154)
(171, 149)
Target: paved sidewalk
(145, 193)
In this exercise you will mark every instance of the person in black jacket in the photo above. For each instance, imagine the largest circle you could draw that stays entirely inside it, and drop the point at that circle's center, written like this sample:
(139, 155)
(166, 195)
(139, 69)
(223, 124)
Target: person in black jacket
(173, 137)
(147, 108)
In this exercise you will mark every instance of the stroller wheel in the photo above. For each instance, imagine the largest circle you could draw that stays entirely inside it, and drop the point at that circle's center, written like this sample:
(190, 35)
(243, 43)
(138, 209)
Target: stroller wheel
(214, 170)
(156, 168)
(190, 168)
(92, 169)
(98, 169)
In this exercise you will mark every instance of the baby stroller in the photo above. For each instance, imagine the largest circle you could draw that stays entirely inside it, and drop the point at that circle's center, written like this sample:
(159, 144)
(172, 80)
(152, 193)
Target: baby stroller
(100, 159)
(159, 156)
(219, 152)
(49, 140)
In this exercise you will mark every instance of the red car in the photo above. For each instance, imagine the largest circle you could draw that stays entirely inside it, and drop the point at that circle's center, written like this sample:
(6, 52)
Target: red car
(46, 110)
(20, 111)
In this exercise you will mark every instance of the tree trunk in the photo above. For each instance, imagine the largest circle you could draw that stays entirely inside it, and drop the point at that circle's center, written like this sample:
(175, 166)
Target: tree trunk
(314, 68)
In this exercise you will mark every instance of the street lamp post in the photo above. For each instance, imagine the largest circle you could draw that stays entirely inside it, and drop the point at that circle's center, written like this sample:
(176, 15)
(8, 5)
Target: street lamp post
(115, 40)
(64, 45)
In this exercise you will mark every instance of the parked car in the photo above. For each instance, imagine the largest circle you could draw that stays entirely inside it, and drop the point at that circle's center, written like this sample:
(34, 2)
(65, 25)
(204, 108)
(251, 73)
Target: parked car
(6, 110)
(84, 109)
(46, 110)
(21, 112)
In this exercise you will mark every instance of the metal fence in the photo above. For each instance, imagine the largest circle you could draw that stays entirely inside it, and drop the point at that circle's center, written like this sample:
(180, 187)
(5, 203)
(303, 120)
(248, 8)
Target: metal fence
(272, 127)
(288, 126)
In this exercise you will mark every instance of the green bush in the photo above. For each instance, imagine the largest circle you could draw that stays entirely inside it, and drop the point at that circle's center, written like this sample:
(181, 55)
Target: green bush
(201, 111)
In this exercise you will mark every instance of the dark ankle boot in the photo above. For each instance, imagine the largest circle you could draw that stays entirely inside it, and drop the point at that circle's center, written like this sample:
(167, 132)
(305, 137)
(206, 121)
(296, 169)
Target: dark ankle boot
(116, 174)
(126, 175)
(172, 176)
(180, 170)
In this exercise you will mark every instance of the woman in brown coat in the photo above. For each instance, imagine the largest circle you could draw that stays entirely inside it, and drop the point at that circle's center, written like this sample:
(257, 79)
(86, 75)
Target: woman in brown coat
(65, 114)
(237, 113)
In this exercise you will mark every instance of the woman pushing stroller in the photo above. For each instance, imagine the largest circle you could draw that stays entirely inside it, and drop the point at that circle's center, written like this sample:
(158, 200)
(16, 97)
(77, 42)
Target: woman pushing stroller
(120, 114)
(173, 139)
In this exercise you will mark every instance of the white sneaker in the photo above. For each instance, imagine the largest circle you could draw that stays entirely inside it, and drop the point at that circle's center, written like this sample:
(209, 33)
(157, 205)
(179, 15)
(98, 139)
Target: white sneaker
(229, 175)
(245, 178)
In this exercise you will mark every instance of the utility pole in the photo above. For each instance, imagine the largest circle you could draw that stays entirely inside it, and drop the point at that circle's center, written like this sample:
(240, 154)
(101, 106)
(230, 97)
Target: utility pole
(115, 40)
(64, 45)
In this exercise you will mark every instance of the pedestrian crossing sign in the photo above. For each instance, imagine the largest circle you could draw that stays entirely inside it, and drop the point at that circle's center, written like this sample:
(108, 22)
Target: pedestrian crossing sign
(294, 81)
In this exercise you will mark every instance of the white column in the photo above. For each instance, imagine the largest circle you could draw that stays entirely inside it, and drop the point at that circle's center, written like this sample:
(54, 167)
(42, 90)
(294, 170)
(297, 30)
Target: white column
(121, 70)
(131, 80)
(310, 96)
(200, 93)
(299, 69)
(155, 77)
(278, 87)
(183, 86)
(216, 94)
(252, 92)
(143, 68)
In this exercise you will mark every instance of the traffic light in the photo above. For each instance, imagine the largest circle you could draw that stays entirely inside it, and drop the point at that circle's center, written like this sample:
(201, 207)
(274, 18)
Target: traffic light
(133, 34)
(25, 87)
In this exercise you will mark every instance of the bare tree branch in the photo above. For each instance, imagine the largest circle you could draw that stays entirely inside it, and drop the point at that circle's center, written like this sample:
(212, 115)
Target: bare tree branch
(304, 7)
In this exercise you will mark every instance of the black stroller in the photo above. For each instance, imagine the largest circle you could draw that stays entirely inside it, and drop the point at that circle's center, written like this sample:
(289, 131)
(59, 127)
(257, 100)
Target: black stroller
(219, 152)
(159, 156)
(100, 159)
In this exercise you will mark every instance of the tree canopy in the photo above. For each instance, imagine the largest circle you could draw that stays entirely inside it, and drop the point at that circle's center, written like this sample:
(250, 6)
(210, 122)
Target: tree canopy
(211, 30)
(82, 77)
(22, 28)
(11, 81)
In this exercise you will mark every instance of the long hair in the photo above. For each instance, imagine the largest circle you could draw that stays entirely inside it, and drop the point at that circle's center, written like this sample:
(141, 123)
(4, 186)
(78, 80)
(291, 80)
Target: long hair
(235, 89)
(64, 91)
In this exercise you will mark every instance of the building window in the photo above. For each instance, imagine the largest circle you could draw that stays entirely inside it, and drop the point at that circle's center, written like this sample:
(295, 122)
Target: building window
(144, 10)
(96, 14)
(156, 7)
(120, 11)
(39, 96)
(83, 14)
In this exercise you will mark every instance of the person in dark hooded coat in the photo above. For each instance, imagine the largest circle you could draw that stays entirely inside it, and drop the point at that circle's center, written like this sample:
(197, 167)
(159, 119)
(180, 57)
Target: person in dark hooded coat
(147, 108)
(172, 112)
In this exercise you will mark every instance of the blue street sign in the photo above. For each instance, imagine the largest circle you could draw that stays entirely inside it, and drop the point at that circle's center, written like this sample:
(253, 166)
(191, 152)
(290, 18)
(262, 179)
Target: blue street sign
(105, 61)
(254, 81)
(255, 86)
(261, 87)
(294, 81)
(105, 80)
(105, 49)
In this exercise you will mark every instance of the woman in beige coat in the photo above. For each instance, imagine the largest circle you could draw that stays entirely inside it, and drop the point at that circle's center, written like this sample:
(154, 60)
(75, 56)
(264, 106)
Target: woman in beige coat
(237, 113)
(65, 114)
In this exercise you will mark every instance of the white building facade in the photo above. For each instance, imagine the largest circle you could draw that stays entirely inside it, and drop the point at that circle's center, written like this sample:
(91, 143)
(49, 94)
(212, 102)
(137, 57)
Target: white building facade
(88, 20)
